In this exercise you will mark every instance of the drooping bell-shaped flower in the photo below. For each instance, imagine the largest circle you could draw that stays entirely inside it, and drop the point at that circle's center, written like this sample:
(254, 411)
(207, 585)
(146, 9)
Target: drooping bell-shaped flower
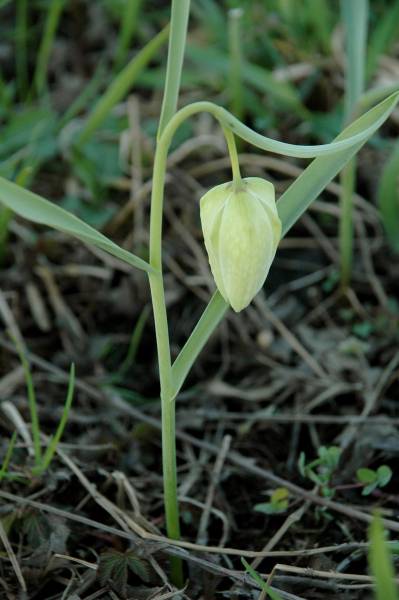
(241, 230)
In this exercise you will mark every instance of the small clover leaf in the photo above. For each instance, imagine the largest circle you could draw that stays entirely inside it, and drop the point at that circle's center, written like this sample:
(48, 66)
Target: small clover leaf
(278, 503)
(374, 479)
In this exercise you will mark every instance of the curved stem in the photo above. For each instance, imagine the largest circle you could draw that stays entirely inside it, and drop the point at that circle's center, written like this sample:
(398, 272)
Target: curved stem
(232, 148)
(227, 120)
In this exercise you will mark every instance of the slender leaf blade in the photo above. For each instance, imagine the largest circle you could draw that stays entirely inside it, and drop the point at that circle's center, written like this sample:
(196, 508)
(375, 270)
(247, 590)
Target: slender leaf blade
(35, 208)
(121, 85)
(380, 563)
(323, 169)
(388, 199)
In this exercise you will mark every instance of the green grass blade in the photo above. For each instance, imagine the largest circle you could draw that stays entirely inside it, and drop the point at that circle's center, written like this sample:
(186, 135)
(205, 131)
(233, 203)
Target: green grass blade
(37, 209)
(322, 170)
(5, 219)
(87, 95)
(236, 94)
(214, 61)
(32, 402)
(208, 322)
(380, 563)
(21, 46)
(177, 44)
(7, 458)
(55, 440)
(50, 28)
(355, 17)
(384, 35)
(121, 85)
(135, 341)
(262, 584)
(129, 21)
(388, 199)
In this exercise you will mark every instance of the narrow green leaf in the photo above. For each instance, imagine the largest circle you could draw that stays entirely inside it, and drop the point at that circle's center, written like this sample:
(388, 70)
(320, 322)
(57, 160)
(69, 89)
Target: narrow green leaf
(129, 21)
(177, 44)
(388, 199)
(208, 322)
(54, 9)
(257, 77)
(121, 85)
(55, 440)
(8, 455)
(262, 584)
(322, 170)
(385, 33)
(37, 209)
(380, 563)
(355, 17)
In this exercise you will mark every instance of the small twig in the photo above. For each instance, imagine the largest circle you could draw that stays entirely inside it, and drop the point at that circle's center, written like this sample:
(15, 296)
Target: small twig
(221, 457)
(12, 557)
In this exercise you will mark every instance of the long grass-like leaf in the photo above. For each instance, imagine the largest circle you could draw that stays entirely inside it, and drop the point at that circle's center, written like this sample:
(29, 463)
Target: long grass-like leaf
(322, 170)
(8, 455)
(385, 33)
(177, 44)
(121, 85)
(129, 21)
(37, 209)
(55, 440)
(355, 17)
(380, 563)
(208, 322)
(236, 95)
(53, 16)
(260, 79)
(262, 584)
(21, 42)
(388, 198)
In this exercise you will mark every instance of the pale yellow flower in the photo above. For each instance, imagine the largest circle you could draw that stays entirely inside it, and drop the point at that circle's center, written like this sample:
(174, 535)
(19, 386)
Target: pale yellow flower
(241, 230)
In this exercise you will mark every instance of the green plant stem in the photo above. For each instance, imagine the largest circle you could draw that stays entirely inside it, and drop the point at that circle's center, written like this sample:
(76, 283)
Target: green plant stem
(53, 17)
(5, 218)
(232, 148)
(32, 402)
(120, 86)
(55, 440)
(355, 17)
(235, 74)
(348, 179)
(164, 360)
(177, 41)
(129, 22)
(7, 458)
(21, 42)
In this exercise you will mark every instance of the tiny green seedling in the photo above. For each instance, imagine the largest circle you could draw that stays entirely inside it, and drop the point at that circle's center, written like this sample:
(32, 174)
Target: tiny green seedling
(278, 503)
(322, 469)
(42, 461)
(373, 479)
